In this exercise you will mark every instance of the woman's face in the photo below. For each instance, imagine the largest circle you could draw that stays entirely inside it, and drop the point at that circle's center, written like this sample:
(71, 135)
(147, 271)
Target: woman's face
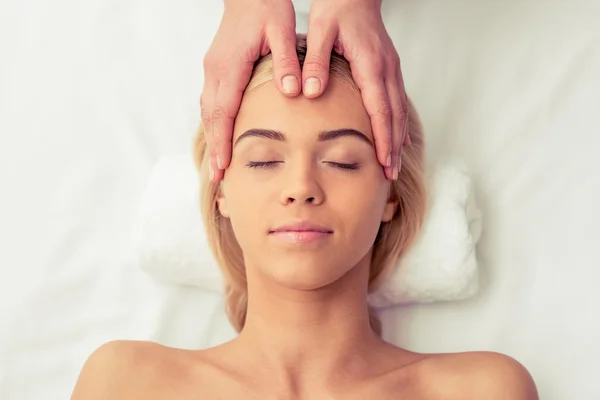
(305, 193)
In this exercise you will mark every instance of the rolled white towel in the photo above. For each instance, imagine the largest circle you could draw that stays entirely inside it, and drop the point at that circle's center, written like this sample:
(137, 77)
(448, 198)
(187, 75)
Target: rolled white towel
(170, 242)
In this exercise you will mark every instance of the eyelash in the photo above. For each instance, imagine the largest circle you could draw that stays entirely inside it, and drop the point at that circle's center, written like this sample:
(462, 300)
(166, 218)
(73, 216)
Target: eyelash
(271, 164)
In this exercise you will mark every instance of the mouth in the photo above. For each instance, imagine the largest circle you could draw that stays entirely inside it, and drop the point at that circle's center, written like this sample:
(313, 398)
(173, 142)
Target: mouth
(301, 232)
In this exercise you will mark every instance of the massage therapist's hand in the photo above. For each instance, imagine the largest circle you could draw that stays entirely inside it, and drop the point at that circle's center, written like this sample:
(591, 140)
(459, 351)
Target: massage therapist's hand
(355, 29)
(249, 29)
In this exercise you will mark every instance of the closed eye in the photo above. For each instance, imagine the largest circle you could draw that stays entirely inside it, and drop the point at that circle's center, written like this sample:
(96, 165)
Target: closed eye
(353, 166)
(262, 164)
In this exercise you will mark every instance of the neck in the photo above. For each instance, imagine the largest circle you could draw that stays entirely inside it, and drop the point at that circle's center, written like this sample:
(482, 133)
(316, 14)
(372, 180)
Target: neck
(305, 337)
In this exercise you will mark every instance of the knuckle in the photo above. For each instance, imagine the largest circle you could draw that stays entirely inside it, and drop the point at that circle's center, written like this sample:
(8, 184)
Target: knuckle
(315, 63)
(209, 62)
(393, 57)
(287, 61)
(206, 117)
(206, 63)
(379, 66)
(392, 65)
(219, 113)
(384, 109)
(248, 54)
(400, 111)
(221, 67)
(203, 101)
(215, 65)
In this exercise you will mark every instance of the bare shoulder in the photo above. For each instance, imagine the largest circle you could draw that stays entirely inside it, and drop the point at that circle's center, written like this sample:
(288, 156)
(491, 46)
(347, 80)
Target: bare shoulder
(121, 369)
(478, 375)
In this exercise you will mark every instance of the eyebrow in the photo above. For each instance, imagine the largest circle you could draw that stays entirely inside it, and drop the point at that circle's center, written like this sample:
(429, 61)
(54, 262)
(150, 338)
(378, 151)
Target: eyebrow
(323, 136)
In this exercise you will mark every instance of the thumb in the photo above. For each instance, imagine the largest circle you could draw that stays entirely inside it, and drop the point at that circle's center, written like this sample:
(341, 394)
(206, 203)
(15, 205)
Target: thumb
(315, 71)
(286, 67)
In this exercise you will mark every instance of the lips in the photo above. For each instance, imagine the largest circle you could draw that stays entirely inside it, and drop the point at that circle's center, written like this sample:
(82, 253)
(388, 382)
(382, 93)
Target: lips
(301, 232)
(303, 226)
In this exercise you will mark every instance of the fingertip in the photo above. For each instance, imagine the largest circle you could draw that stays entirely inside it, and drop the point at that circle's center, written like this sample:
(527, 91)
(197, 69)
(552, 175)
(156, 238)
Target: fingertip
(219, 174)
(399, 164)
(313, 87)
(395, 167)
(384, 156)
(211, 172)
(224, 153)
(290, 85)
(389, 173)
(225, 161)
(221, 143)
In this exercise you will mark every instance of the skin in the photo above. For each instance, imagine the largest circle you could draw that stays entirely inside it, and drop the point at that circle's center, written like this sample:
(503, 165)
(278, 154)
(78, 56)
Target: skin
(307, 333)
(253, 28)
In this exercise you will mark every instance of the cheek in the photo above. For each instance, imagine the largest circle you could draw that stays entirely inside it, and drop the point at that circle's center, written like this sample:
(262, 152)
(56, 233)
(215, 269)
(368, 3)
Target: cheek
(360, 207)
(246, 204)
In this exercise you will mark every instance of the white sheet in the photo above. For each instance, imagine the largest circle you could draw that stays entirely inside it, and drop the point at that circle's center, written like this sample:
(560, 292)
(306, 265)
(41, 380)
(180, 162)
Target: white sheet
(92, 93)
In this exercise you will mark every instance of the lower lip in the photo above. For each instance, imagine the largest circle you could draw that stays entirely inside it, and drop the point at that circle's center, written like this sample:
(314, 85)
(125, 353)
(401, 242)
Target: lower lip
(300, 236)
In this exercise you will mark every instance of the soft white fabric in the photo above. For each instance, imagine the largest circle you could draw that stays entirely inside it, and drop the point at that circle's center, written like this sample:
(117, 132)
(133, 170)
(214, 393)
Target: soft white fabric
(93, 93)
(171, 245)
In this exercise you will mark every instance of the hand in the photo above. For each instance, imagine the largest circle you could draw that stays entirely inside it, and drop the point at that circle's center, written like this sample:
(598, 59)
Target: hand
(249, 29)
(355, 29)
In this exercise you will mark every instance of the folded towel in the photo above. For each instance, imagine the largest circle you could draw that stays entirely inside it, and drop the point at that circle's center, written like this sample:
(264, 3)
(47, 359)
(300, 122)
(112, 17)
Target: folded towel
(170, 242)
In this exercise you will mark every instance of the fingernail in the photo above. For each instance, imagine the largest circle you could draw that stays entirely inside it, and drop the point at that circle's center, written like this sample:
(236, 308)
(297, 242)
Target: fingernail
(312, 86)
(388, 163)
(395, 174)
(290, 84)
(219, 163)
(211, 173)
(399, 164)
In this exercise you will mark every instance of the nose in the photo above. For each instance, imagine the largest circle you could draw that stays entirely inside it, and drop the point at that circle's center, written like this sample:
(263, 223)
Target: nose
(301, 186)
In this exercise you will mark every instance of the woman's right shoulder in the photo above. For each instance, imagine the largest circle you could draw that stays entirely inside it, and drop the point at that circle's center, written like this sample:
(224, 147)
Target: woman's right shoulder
(118, 369)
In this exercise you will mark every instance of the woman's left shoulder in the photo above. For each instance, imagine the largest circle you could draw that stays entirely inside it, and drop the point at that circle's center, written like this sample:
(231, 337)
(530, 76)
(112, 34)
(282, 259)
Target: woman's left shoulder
(479, 375)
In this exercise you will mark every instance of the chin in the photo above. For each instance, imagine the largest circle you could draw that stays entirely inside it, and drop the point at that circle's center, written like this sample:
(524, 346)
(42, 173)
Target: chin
(306, 275)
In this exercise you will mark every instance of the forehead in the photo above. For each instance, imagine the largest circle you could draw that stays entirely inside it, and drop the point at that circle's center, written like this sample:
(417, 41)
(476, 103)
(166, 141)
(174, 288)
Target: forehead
(266, 108)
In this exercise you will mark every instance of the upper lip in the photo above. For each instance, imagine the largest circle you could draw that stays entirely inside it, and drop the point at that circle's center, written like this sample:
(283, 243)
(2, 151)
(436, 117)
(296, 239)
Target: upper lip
(302, 226)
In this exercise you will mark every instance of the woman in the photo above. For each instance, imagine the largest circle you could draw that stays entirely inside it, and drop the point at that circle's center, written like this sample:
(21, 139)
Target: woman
(303, 225)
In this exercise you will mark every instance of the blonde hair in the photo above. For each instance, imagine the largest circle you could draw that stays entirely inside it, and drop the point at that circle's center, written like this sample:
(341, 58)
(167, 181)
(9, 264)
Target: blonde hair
(393, 239)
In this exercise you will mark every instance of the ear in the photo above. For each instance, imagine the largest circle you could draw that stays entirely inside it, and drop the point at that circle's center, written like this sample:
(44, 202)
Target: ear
(389, 210)
(222, 203)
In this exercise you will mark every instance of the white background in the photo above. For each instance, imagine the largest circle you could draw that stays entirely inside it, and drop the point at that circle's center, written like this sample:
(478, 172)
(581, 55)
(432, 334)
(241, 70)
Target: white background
(93, 93)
